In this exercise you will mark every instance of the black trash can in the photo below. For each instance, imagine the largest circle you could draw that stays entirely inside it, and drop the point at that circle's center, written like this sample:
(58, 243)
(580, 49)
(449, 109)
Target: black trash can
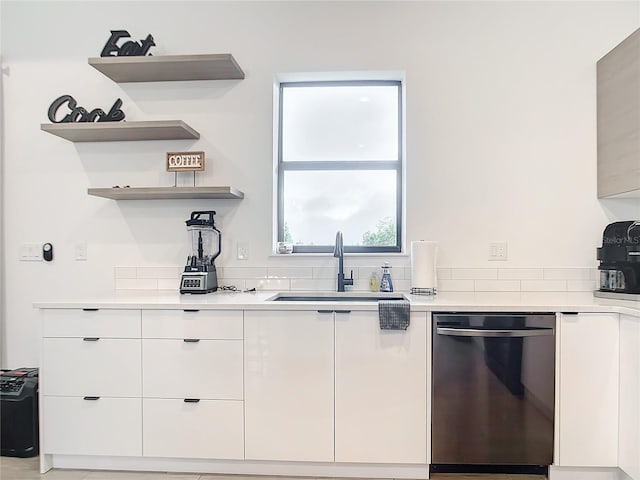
(19, 412)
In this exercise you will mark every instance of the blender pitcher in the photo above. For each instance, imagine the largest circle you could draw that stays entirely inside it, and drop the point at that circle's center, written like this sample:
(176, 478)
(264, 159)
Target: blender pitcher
(206, 244)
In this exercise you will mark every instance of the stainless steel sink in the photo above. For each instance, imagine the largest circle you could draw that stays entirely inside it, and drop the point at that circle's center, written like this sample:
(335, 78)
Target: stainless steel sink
(334, 297)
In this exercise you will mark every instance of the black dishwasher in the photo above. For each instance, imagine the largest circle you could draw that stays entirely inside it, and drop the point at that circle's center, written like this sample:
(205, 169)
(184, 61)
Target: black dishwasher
(493, 388)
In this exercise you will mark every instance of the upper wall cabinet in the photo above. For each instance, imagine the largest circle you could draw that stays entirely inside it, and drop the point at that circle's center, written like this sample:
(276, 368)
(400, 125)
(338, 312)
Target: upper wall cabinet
(619, 120)
(168, 68)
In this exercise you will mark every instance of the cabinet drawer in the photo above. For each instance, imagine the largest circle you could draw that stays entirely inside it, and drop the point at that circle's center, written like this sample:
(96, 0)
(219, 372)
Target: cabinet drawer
(206, 429)
(91, 323)
(210, 324)
(103, 367)
(107, 426)
(210, 369)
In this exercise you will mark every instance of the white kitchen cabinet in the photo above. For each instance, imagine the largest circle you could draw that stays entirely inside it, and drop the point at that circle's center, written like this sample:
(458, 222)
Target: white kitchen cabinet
(289, 398)
(381, 390)
(92, 426)
(618, 110)
(175, 368)
(629, 426)
(193, 429)
(209, 324)
(92, 366)
(91, 382)
(588, 390)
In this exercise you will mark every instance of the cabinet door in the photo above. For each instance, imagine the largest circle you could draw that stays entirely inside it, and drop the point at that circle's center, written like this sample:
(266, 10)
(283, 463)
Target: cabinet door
(588, 390)
(205, 429)
(103, 323)
(629, 435)
(381, 390)
(289, 385)
(103, 426)
(210, 369)
(91, 366)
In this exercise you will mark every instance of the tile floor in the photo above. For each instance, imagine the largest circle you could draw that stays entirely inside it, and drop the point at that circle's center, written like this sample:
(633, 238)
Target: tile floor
(27, 469)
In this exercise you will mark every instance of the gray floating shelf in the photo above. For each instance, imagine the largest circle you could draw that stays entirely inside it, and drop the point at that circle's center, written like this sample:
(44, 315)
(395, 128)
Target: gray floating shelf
(167, 68)
(122, 131)
(159, 193)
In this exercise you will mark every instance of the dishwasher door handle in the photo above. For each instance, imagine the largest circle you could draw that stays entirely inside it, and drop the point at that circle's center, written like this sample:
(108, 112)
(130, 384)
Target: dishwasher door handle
(493, 332)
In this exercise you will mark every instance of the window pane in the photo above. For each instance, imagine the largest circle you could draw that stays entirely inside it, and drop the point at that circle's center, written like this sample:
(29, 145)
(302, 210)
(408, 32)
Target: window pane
(340, 123)
(362, 204)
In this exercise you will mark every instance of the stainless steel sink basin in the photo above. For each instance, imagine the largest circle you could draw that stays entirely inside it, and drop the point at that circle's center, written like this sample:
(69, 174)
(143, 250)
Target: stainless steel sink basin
(334, 297)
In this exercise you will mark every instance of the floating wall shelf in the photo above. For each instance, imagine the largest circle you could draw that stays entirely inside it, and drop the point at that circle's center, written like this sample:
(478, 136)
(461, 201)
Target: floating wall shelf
(122, 131)
(168, 68)
(159, 193)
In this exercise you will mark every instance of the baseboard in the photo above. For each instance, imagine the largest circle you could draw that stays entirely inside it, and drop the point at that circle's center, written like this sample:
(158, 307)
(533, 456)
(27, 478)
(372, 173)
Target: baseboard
(243, 467)
(575, 473)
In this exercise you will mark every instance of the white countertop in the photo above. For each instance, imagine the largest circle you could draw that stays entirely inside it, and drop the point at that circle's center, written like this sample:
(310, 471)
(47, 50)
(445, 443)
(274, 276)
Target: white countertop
(447, 301)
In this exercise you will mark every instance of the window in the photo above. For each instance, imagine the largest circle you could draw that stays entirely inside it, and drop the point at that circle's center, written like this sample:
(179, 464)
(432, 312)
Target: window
(340, 165)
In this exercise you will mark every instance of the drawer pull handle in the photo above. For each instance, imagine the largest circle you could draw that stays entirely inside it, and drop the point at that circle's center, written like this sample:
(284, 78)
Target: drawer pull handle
(92, 398)
(91, 339)
(90, 309)
(325, 311)
(342, 311)
(191, 400)
(191, 340)
(190, 310)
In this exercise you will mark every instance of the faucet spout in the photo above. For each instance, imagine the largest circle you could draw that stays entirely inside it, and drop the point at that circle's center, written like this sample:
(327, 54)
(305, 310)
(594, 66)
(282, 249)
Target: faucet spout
(338, 252)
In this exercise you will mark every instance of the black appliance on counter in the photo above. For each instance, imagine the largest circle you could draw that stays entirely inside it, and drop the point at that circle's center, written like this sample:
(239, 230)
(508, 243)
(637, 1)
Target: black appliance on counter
(619, 258)
(19, 412)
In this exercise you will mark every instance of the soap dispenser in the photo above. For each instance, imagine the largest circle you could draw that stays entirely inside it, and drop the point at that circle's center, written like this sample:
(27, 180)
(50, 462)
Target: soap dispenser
(386, 284)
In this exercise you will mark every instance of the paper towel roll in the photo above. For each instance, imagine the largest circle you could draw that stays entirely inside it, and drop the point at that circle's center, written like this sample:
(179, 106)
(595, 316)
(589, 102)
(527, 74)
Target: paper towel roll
(423, 265)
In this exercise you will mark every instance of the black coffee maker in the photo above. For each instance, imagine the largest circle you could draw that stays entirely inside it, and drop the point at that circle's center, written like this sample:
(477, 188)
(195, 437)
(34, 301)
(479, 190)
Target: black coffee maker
(619, 258)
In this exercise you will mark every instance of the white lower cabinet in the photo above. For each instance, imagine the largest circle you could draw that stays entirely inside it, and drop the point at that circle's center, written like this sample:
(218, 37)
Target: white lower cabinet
(92, 366)
(381, 390)
(193, 429)
(175, 368)
(92, 426)
(588, 390)
(629, 426)
(288, 385)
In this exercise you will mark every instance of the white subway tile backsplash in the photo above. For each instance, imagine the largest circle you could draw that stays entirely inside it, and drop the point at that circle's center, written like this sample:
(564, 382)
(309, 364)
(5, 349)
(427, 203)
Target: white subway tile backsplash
(543, 285)
(245, 272)
(126, 272)
(324, 278)
(327, 272)
(520, 273)
(276, 284)
(497, 285)
(474, 273)
(290, 272)
(443, 273)
(136, 284)
(313, 284)
(581, 285)
(456, 285)
(159, 272)
(567, 273)
(169, 284)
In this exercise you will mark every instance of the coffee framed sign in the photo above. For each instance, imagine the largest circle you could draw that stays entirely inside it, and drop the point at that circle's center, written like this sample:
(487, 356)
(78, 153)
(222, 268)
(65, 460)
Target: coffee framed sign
(185, 161)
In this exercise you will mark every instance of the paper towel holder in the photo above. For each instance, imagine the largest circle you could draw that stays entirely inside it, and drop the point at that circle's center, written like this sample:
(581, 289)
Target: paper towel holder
(422, 291)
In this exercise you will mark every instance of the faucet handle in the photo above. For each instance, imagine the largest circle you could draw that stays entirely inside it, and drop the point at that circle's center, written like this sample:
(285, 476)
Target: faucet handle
(349, 281)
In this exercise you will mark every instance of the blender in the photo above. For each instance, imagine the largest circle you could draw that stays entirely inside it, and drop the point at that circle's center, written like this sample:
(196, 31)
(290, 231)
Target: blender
(200, 273)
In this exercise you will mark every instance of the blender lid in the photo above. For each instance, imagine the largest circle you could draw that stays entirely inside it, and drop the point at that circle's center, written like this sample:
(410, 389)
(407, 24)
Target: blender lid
(195, 219)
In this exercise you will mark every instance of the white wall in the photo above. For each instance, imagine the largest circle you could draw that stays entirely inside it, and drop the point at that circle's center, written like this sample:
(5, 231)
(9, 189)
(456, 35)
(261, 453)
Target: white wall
(501, 131)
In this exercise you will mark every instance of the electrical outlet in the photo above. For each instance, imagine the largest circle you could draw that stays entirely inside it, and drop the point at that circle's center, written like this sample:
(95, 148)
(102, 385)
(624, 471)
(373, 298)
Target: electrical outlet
(498, 251)
(81, 251)
(242, 251)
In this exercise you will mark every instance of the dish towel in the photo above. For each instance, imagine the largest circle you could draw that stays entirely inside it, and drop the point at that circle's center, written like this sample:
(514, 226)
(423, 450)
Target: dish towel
(394, 314)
